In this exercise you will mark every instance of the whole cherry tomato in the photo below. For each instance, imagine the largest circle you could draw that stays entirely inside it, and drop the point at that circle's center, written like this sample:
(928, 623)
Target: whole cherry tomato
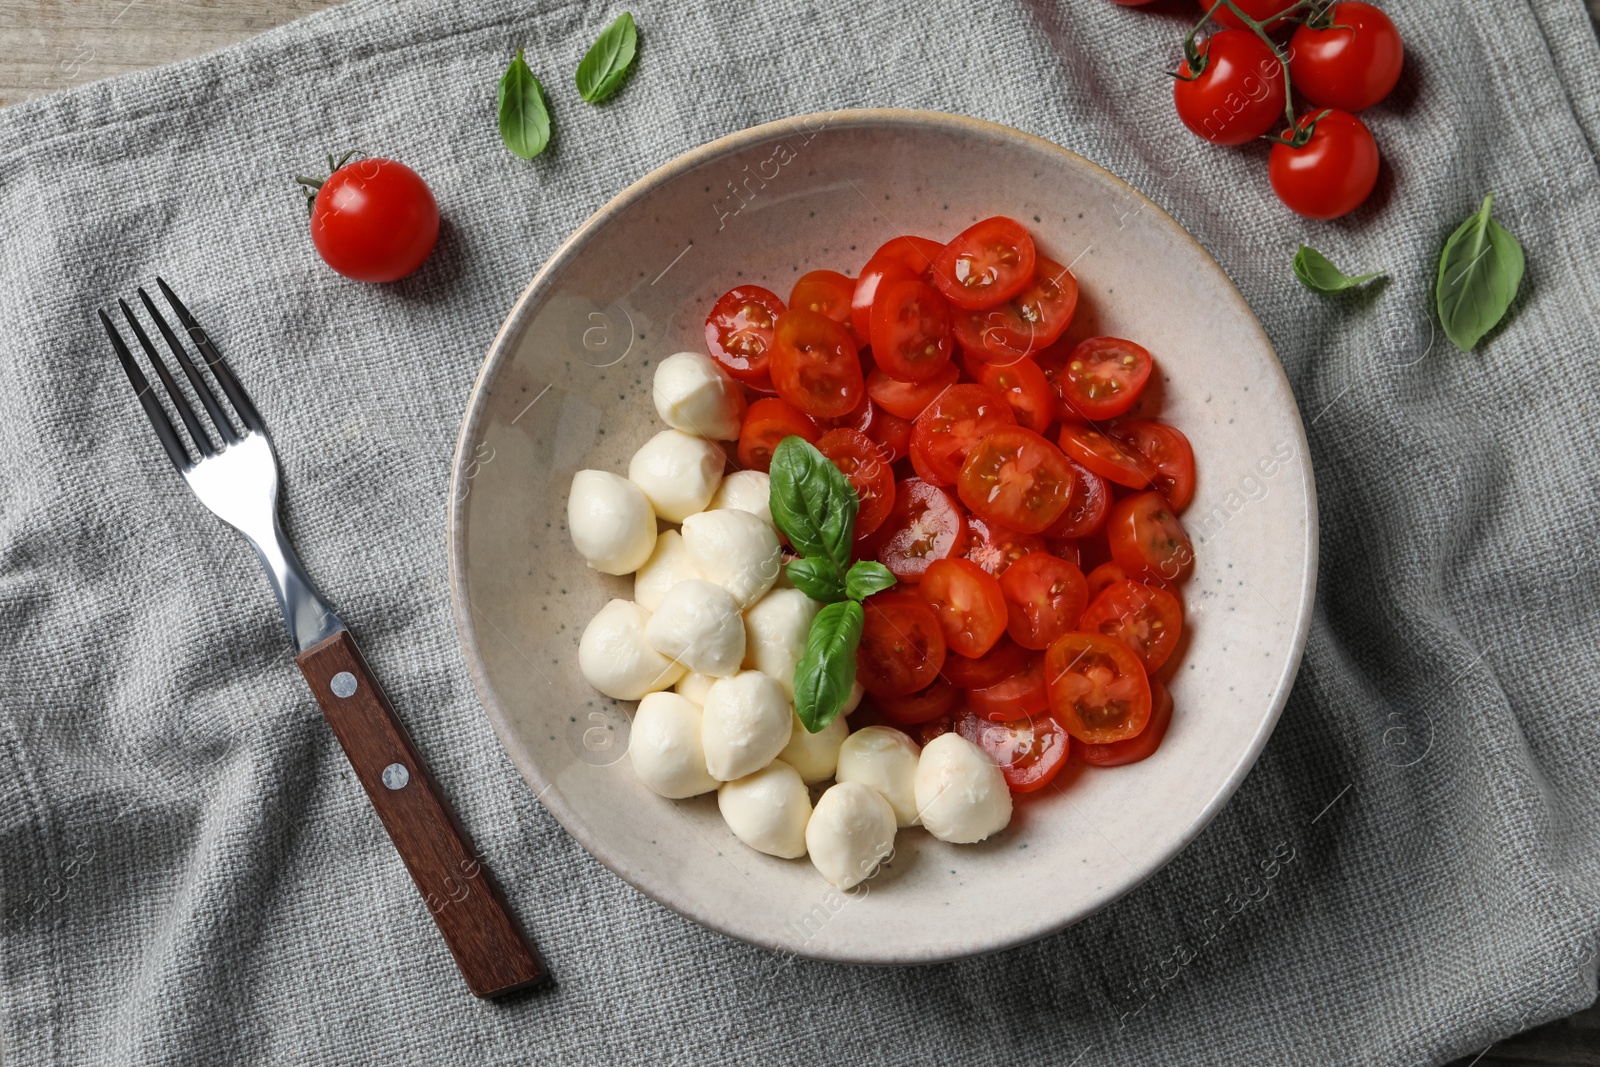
(1351, 65)
(1260, 10)
(1332, 173)
(374, 220)
(1238, 94)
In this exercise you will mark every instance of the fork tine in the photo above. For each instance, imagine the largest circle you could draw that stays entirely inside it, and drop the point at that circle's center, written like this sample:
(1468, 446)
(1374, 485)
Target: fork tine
(219, 367)
(152, 407)
(185, 412)
(207, 398)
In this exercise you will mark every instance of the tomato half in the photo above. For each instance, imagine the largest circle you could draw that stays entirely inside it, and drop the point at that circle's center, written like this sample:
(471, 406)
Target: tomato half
(1142, 744)
(994, 547)
(1352, 66)
(1331, 174)
(1260, 10)
(1025, 388)
(1016, 696)
(374, 220)
(940, 698)
(1098, 690)
(1146, 618)
(1016, 478)
(814, 364)
(912, 337)
(968, 602)
(1102, 377)
(902, 646)
(902, 257)
(1147, 540)
(767, 422)
(1027, 322)
(986, 263)
(1045, 596)
(1086, 507)
(908, 399)
(925, 524)
(1030, 753)
(739, 332)
(1103, 576)
(1110, 459)
(827, 292)
(952, 426)
(1170, 452)
(1000, 662)
(858, 457)
(891, 432)
(1238, 94)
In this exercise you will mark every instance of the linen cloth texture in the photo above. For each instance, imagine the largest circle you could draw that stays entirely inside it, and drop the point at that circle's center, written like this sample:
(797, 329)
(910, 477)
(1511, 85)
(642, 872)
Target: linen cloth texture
(191, 874)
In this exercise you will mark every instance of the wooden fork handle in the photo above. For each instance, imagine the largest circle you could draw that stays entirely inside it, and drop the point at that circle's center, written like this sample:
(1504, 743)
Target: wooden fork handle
(489, 946)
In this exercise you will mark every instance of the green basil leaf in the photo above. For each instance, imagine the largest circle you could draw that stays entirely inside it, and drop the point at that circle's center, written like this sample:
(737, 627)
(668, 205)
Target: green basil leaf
(866, 577)
(812, 502)
(824, 675)
(524, 122)
(608, 60)
(1318, 274)
(1479, 275)
(818, 577)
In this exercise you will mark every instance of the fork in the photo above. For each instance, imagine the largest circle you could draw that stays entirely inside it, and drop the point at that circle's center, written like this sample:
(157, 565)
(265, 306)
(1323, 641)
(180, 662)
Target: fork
(237, 478)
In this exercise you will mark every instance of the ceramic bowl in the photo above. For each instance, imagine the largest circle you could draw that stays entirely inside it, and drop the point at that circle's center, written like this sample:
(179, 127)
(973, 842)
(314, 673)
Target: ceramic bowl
(566, 386)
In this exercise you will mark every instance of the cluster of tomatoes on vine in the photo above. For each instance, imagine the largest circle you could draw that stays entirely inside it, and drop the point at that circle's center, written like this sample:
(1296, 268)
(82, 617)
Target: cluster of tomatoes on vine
(1237, 83)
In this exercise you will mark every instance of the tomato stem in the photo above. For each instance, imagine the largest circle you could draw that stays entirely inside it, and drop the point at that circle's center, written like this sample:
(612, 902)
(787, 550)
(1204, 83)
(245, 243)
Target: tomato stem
(310, 186)
(1296, 135)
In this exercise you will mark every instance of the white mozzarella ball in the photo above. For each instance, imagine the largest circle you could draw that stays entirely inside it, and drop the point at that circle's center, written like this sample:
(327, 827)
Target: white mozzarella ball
(768, 810)
(850, 833)
(665, 747)
(668, 565)
(736, 550)
(612, 523)
(698, 625)
(775, 632)
(678, 473)
(746, 723)
(961, 795)
(885, 759)
(745, 491)
(616, 659)
(814, 755)
(693, 394)
(693, 687)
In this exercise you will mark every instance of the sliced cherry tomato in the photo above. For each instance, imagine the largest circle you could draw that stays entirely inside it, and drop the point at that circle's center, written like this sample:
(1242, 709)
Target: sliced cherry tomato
(1146, 618)
(1147, 540)
(1045, 596)
(1023, 385)
(827, 292)
(769, 421)
(1352, 65)
(903, 257)
(968, 602)
(814, 364)
(925, 524)
(1015, 696)
(908, 399)
(1052, 362)
(902, 646)
(944, 724)
(952, 426)
(739, 333)
(912, 338)
(1028, 321)
(1029, 753)
(892, 432)
(1000, 662)
(1260, 10)
(940, 698)
(988, 262)
(1238, 94)
(1110, 459)
(857, 418)
(863, 465)
(1170, 452)
(1098, 690)
(1016, 478)
(1102, 577)
(1331, 174)
(1086, 507)
(994, 547)
(1136, 748)
(1102, 377)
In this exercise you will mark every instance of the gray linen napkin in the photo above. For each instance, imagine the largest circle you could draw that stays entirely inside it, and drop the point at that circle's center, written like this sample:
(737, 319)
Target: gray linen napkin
(191, 875)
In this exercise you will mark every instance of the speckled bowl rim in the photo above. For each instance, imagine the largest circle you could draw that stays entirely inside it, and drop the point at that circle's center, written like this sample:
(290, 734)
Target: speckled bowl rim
(505, 344)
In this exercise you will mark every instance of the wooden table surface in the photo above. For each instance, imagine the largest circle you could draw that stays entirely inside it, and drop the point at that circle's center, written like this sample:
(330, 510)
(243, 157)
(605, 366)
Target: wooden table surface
(46, 45)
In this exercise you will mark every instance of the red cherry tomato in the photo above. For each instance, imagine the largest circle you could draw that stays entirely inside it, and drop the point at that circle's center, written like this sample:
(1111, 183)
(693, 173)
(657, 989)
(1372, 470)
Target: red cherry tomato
(911, 333)
(1102, 577)
(940, 698)
(1110, 459)
(767, 422)
(952, 426)
(968, 602)
(1146, 618)
(1351, 67)
(1147, 540)
(374, 220)
(814, 364)
(1260, 10)
(858, 458)
(1098, 690)
(902, 646)
(1170, 452)
(892, 433)
(994, 547)
(999, 663)
(1016, 696)
(739, 333)
(988, 262)
(903, 257)
(1331, 174)
(1023, 385)
(925, 524)
(857, 418)
(907, 399)
(1238, 94)
(1030, 753)
(1086, 507)
(1016, 478)
(827, 292)
(1027, 322)
(1045, 596)
(1102, 377)
(1136, 748)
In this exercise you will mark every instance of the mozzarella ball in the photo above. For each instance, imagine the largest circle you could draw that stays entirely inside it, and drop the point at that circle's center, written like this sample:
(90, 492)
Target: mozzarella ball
(695, 395)
(775, 632)
(814, 755)
(768, 810)
(612, 523)
(698, 625)
(961, 795)
(665, 747)
(850, 833)
(885, 759)
(678, 473)
(746, 723)
(668, 565)
(736, 550)
(693, 687)
(745, 491)
(616, 659)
